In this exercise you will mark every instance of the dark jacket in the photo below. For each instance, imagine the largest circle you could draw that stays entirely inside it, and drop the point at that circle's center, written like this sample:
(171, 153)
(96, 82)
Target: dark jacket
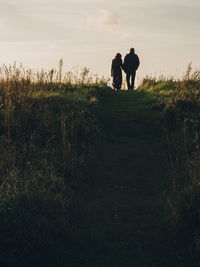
(131, 62)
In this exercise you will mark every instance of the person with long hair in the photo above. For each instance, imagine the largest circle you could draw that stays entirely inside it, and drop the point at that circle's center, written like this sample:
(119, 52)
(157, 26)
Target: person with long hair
(116, 71)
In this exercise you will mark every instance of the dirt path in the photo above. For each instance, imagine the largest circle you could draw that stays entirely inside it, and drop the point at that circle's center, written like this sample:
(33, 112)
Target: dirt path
(125, 206)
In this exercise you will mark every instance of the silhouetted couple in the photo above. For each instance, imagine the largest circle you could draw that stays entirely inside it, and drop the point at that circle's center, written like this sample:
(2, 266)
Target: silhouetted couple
(130, 65)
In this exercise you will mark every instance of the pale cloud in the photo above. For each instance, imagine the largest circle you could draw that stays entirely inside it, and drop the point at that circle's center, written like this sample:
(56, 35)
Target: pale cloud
(103, 17)
(107, 17)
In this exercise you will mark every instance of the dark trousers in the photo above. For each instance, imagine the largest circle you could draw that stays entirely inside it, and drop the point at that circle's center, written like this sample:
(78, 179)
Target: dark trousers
(130, 79)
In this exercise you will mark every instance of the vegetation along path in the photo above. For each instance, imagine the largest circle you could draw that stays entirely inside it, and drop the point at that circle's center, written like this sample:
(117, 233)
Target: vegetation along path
(125, 205)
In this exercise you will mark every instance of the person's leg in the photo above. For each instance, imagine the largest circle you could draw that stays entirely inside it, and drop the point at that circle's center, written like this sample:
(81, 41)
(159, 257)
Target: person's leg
(133, 80)
(128, 80)
(120, 81)
(115, 80)
(113, 83)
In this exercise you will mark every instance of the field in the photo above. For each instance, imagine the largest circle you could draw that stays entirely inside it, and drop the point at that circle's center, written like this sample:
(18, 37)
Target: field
(95, 177)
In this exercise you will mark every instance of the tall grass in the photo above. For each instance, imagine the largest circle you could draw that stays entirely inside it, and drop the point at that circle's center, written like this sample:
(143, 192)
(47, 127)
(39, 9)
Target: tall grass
(179, 101)
(48, 131)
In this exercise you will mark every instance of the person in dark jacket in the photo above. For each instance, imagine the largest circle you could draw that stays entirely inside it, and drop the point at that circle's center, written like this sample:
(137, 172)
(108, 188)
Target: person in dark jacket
(131, 64)
(116, 71)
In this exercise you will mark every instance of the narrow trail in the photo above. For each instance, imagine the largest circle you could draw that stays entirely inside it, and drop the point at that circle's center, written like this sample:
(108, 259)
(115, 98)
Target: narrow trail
(126, 204)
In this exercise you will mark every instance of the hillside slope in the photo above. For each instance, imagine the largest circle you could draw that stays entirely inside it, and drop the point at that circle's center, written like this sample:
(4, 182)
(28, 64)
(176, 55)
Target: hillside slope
(125, 205)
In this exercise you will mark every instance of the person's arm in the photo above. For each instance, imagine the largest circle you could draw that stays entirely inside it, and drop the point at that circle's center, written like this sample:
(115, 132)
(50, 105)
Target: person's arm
(124, 65)
(125, 60)
(112, 68)
(138, 62)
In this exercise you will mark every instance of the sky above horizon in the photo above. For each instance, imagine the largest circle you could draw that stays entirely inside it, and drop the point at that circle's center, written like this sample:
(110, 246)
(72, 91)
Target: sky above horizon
(164, 33)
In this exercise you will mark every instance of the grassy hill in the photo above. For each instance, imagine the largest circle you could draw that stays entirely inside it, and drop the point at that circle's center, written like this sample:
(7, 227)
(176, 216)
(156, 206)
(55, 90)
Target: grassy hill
(95, 177)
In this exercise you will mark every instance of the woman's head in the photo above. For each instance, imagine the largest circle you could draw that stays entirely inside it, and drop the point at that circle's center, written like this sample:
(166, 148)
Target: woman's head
(118, 56)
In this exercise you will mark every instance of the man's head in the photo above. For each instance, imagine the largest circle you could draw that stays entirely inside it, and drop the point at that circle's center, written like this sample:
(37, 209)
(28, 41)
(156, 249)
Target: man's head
(132, 50)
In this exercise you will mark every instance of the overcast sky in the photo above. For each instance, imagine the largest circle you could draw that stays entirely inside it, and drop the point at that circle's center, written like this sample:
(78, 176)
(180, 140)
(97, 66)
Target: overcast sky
(164, 33)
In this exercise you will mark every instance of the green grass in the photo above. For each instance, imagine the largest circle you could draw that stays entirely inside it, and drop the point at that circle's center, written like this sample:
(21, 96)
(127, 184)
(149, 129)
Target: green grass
(125, 206)
(85, 171)
(48, 133)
